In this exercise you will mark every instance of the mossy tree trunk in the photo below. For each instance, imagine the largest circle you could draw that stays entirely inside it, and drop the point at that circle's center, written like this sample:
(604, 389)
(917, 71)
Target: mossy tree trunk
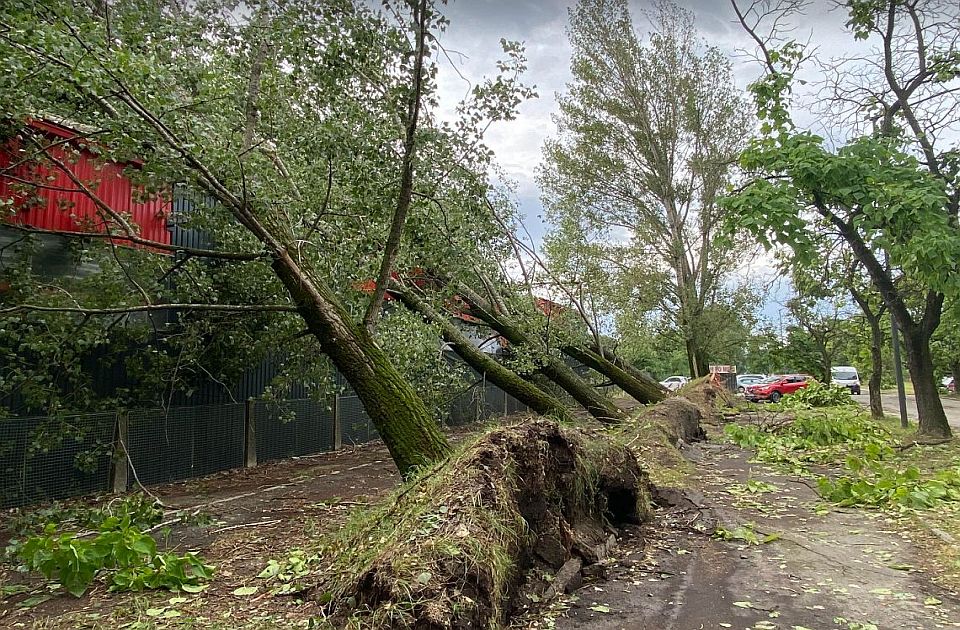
(596, 404)
(501, 376)
(410, 433)
(643, 390)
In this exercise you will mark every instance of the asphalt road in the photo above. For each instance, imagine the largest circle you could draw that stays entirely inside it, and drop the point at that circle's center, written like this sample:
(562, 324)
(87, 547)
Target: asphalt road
(951, 406)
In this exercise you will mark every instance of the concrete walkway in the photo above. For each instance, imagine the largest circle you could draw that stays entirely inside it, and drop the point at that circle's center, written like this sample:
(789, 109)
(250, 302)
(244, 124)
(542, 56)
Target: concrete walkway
(951, 406)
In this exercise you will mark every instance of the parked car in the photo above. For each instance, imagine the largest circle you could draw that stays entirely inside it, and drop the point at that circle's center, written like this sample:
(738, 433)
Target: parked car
(673, 383)
(949, 384)
(748, 379)
(773, 388)
(846, 376)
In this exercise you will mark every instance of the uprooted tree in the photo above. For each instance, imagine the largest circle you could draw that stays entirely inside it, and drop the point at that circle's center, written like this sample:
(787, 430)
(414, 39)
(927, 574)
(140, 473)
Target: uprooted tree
(266, 127)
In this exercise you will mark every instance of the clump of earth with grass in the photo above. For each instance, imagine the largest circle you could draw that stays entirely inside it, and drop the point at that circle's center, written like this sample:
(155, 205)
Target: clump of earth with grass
(452, 547)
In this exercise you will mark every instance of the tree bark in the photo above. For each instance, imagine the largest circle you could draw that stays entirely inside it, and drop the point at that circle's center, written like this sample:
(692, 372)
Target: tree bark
(411, 435)
(876, 372)
(933, 421)
(596, 404)
(872, 316)
(644, 390)
(501, 376)
(392, 247)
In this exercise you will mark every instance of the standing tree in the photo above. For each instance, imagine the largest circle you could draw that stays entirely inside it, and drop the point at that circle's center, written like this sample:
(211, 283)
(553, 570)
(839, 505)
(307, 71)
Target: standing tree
(892, 190)
(872, 308)
(820, 320)
(647, 134)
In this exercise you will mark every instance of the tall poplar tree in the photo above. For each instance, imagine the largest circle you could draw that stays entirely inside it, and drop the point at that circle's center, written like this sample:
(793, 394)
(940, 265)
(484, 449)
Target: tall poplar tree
(647, 133)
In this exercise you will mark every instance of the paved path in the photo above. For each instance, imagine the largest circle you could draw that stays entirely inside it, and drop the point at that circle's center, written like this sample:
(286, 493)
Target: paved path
(841, 569)
(951, 406)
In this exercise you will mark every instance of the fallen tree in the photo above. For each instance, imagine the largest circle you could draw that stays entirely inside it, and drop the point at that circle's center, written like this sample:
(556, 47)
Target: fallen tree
(501, 376)
(638, 386)
(550, 365)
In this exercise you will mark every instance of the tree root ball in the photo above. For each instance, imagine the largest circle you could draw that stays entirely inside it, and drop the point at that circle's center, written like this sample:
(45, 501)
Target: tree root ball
(454, 547)
(678, 418)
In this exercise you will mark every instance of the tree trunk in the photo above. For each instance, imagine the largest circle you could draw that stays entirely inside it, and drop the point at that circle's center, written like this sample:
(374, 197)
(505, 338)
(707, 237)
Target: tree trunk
(598, 405)
(876, 365)
(618, 361)
(643, 390)
(412, 436)
(698, 362)
(504, 378)
(955, 373)
(933, 421)
(872, 317)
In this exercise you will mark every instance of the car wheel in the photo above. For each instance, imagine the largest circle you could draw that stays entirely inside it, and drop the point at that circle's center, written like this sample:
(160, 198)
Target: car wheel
(856, 391)
(775, 397)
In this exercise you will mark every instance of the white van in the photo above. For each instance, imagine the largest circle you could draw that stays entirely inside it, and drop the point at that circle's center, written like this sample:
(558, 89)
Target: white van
(846, 376)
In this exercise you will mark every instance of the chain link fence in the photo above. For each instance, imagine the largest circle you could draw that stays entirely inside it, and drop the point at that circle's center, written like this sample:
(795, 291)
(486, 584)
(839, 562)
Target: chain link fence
(293, 428)
(184, 442)
(45, 459)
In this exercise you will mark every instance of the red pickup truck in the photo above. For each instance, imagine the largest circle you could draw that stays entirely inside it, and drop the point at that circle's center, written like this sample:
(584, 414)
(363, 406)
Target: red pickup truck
(774, 388)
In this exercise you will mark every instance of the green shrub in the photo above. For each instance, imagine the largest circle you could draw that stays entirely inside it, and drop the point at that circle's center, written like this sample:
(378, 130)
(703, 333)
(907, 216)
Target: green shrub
(120, 553)
(878, 485)
(816, 395)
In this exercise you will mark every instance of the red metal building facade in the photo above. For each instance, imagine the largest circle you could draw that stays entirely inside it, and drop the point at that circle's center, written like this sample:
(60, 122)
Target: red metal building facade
(45, 197)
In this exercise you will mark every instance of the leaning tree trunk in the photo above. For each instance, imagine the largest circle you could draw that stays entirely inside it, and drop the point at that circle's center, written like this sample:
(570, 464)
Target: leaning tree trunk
(933, 421)
(643, 390)
(596, 404)
(504, 378)
(411, 435)
(618, 361)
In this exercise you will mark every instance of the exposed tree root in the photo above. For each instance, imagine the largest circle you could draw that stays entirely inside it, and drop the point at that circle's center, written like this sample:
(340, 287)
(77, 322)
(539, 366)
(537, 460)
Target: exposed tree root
(463, 543)
(678, 418)
(454, 549)
(709, 397)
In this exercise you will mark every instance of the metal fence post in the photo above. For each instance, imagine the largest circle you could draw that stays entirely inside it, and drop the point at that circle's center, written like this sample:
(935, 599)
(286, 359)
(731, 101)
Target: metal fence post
(121, 467)
(249, 434)
(337, 424)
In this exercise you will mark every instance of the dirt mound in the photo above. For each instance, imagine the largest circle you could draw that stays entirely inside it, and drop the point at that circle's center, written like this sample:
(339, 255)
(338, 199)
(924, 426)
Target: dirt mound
(452, 549)
(709, 397)
(677, 417)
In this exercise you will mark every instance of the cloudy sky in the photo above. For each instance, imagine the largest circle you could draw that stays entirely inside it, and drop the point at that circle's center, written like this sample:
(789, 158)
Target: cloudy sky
(477, 26)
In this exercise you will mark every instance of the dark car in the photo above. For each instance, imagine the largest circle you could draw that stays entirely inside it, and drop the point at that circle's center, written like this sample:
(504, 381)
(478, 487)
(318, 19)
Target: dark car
(774, 388)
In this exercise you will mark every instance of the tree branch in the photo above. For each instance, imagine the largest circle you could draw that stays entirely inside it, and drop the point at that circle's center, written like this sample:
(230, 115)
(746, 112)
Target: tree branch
(392, 247)
(192, 251)
(228, 308)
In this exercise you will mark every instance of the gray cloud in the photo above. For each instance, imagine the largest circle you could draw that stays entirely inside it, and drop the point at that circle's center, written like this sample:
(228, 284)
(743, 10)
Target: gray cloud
(477, 26)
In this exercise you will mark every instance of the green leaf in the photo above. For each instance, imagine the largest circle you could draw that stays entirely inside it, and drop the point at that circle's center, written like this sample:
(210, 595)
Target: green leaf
(245, 591)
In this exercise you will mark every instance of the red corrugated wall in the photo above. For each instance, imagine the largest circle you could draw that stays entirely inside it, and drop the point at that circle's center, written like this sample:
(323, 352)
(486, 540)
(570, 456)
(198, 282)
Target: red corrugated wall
(45, 197)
